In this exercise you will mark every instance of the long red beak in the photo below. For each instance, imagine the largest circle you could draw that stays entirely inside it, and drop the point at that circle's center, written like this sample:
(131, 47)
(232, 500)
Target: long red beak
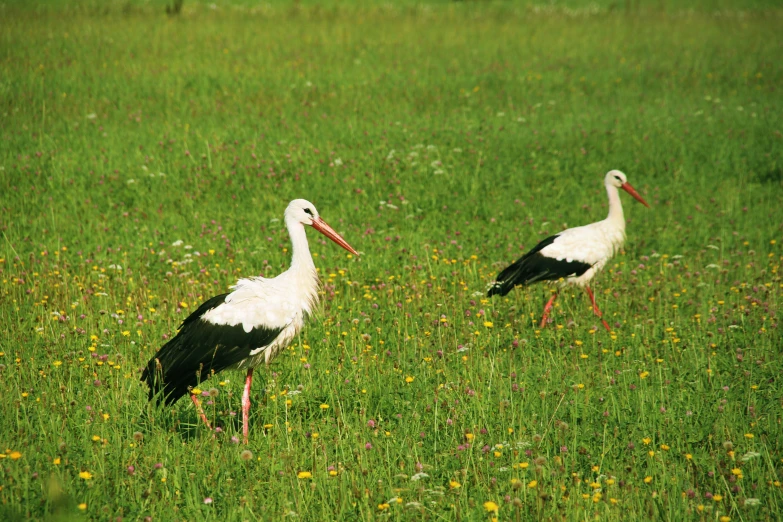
(321, 226)
(629, 189)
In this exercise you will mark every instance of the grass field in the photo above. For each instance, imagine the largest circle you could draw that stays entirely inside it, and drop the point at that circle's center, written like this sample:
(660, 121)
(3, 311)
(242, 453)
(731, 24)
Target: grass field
(146, 160)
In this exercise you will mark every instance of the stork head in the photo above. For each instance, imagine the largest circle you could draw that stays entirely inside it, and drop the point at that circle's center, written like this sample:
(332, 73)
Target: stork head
(304, 212)
(615, 178)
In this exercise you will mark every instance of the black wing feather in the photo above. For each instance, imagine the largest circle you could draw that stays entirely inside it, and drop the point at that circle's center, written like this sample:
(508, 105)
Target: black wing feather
(534, 267)
(199, 350)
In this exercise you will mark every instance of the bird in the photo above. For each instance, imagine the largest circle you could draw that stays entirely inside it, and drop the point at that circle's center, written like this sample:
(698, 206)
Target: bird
(575, 255)
(245, 327)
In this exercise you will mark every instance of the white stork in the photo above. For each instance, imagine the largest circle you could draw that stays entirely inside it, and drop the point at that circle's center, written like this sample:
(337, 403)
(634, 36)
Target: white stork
(245, 327)
(575, 255)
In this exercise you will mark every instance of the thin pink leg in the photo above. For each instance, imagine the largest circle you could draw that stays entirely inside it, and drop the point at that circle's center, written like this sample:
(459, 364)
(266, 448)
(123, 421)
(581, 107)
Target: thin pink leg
(596, 311)
(547, 309)
(200, 411)
(246, 403)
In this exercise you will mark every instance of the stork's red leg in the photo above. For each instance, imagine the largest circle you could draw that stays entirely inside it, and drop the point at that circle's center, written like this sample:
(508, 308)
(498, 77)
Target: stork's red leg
(246, 403)
(200, 411)
(596, 311)
(547, 309)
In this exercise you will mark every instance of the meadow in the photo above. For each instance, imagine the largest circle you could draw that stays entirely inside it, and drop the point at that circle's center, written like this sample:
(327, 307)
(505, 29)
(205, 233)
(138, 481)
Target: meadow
(146, 160)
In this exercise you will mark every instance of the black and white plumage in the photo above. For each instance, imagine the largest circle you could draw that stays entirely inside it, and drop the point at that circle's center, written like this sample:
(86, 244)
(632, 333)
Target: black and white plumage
(575, 255)
(245, 327)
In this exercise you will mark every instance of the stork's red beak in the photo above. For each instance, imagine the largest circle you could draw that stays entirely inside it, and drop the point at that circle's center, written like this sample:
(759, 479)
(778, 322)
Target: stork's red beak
(321, 226)
(629, 189)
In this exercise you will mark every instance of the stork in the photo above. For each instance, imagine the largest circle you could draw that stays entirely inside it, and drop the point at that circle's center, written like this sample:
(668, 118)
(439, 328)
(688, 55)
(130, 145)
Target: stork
(245, 327)
(575, 255)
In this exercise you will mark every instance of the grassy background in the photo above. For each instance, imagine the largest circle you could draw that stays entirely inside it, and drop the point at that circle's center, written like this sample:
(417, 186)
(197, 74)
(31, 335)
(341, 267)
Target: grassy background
(443, 140)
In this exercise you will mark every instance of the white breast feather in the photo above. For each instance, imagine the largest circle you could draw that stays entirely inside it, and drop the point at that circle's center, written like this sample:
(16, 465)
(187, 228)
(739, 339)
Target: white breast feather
(282, 302)
(593, 244)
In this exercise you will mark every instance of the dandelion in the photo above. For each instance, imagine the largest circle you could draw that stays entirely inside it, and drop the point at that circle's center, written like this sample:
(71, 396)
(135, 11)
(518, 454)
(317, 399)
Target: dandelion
(383, 507)
(532, 484)
(647, 479)
(491, 507)
(15, 455)
(56, 461)
(324, 406)
(86, 475)
(748, 435)
(717, 498)
(246, 455)
(82, 506)
(304, 475)
(409, 379)
(454, 484)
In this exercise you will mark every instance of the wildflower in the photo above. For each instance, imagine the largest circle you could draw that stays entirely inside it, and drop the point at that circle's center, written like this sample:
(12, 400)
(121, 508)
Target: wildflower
(488, 324)
(717, 498)
(748, 435)
(665, 447)
(368, 446)
(688, 456)
(454, 484)
(56, 461)
(324, 406)
(647, 479)
(246, 455)
(304, 475)
(644, 375)
(409, 379)
(524, 465)
(383, 507)
(532, 484)
(208, 500)
(14, 455)
(82, 506)
(491, 507)
(86, 475)
(646, 440)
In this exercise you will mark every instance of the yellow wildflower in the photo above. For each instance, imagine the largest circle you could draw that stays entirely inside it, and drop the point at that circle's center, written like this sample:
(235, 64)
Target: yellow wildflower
(491, 507)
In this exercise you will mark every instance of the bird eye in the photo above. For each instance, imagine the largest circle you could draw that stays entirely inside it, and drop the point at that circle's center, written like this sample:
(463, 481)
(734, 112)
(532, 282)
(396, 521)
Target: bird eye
(617, 178)
(308, 211)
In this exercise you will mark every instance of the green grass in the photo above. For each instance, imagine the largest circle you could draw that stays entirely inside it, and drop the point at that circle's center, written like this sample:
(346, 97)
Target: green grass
(442, 140)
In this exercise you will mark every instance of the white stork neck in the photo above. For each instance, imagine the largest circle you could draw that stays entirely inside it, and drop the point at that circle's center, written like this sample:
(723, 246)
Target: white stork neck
(615, 207)
(301, 260)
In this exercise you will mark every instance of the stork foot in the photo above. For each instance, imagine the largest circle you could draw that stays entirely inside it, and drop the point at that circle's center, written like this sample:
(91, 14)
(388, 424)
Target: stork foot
(200, 411)
(246, 405)
(596, 311)
(547, 309)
